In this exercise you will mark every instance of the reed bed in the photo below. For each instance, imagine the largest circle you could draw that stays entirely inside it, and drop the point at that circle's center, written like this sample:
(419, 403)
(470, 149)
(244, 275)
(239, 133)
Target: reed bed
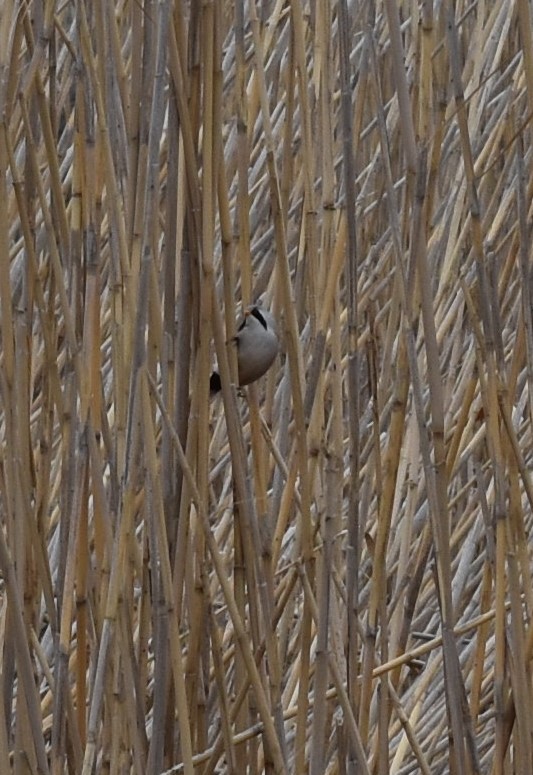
(330, 571)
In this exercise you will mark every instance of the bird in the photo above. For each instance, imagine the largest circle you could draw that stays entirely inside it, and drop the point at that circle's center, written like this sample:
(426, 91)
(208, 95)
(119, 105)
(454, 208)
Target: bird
(257, 346)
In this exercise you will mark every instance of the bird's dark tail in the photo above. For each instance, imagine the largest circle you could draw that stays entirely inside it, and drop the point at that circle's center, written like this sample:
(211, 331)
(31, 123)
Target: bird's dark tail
(215, 385)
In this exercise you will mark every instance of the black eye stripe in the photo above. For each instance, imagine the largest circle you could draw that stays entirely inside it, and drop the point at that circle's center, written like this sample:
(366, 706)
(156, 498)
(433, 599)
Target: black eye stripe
(258, 316)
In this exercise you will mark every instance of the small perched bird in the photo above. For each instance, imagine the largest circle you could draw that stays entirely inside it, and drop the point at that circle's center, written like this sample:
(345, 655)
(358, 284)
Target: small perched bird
(257, 345)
